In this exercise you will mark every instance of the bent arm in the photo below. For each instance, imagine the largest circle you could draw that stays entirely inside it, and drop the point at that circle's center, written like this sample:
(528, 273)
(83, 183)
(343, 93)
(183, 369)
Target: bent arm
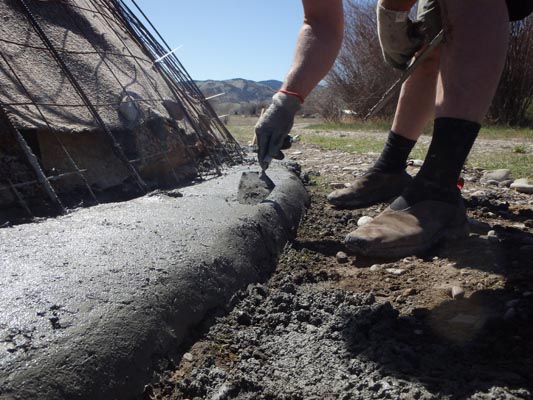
(318, 44)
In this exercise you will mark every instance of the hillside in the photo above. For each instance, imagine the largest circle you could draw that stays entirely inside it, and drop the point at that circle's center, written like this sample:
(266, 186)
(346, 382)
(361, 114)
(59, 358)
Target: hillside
(241, 96)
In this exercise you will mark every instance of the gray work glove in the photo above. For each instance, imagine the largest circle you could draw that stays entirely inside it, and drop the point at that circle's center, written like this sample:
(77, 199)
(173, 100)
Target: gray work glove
(273, 128)
(399, 37)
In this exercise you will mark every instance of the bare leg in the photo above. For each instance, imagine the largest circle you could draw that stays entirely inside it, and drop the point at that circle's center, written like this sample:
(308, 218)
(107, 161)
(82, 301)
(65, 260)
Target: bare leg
(473, 57)
(431, 209)
(416, 105)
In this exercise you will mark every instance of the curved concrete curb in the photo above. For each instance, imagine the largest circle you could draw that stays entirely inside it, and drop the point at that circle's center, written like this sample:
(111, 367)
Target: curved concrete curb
(94, 300)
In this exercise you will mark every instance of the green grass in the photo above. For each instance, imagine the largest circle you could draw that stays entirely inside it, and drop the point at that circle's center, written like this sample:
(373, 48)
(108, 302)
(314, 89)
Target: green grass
(350, 145)
(356, 145)
(243, 134)
(514, 157)
(383, 125)
(505, 132)
(356, 126)
(520, 149)
(521, 165)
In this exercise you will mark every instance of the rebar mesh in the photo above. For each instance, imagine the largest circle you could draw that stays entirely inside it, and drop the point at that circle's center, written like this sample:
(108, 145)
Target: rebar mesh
(86, 110)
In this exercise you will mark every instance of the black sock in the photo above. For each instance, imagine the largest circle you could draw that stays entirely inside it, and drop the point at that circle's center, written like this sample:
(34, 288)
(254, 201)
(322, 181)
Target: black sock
(452, 141)
(393, 158)
(437, 179)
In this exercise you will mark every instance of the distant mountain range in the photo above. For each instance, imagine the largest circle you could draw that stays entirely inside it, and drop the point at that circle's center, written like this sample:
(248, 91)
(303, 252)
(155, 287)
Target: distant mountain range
(241, 96)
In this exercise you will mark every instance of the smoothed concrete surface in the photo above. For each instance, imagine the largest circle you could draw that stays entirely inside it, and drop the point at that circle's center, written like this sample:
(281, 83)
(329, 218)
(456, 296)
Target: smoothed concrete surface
(92, 302)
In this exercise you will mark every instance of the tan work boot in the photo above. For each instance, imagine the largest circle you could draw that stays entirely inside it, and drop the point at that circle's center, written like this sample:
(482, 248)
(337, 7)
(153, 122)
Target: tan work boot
(409, 231)
(369, 189)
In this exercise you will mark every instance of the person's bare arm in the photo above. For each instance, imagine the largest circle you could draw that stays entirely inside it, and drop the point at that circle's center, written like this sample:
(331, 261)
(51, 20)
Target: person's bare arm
(318, 44)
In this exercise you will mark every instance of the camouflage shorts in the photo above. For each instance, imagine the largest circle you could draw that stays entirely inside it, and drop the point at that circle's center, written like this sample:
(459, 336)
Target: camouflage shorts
(429, 13)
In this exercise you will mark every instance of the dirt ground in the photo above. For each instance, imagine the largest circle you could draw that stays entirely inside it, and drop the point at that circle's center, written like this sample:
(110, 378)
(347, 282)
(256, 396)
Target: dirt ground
(454, 323)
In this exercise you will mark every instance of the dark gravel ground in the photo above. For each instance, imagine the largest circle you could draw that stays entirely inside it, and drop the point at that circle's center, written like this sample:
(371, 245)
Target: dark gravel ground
(327, 326)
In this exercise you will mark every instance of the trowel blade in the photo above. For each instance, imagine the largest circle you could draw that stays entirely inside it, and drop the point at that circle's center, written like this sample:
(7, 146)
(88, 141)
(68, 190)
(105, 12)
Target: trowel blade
(254, 187)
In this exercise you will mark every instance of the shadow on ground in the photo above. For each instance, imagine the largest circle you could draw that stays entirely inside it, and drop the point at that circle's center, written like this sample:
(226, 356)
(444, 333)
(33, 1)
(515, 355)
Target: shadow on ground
(459, 349)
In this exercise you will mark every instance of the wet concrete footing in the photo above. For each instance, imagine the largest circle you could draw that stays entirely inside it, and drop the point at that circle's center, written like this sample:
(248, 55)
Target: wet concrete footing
(94, 301)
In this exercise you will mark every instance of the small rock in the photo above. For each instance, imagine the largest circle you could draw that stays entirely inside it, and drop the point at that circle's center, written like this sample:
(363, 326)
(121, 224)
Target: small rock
(479, 193)
(364, 220)
(505, 184)
(491, 182)
(337, 185)
(350, 169)
(409, 292)
(523, 185)
(492, 236)
(259, 355)
(188, 357)
(302, 315)
(415, 163)
(342, 257)
(395, 271)
(243, 318)
(400, 299)
(174, 193)
(457, 292)
(375, 268)
(296, 153)
(497, 175)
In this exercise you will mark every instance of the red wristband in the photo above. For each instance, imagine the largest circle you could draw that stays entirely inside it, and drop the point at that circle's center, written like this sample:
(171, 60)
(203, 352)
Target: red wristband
(296, 94)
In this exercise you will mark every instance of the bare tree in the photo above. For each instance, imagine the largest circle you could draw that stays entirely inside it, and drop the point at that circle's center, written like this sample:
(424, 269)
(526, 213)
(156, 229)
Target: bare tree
(515, 93)
(360, 76)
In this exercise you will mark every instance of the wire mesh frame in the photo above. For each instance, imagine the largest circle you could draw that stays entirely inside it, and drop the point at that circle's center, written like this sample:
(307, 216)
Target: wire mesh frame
(73, 163)
(176, 72)
(175, 81)
(172, 66)
(161, 99)
(176, 78)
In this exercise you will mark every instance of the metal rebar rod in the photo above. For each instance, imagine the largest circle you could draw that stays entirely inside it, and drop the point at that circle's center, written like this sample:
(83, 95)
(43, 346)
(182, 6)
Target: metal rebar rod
(50, 179)
(154, 87)
(180, 96)
(32, 160)
(20, 199)
(184, 78)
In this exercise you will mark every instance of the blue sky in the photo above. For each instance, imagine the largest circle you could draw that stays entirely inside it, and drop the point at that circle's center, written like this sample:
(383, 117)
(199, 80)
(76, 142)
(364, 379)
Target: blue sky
(251, 39)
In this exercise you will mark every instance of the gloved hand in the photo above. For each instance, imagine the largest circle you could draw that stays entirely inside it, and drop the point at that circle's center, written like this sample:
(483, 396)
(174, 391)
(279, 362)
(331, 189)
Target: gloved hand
(273, 128)
(399, 37)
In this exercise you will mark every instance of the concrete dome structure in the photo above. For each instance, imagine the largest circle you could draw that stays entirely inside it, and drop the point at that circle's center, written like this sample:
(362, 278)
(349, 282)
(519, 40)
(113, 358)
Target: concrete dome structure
(89, 109)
